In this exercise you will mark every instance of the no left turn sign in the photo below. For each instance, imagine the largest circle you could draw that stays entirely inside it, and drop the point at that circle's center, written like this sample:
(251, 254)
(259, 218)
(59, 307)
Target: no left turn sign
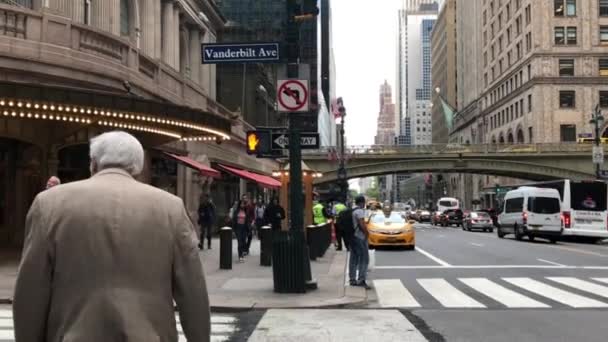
(292, 95)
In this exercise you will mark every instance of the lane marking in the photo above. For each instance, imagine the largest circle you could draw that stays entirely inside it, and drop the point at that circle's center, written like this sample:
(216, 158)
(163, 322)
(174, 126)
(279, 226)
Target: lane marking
(551, 262)
(501, 294)
(476, 244)
(581, 251)
(556, 294)
(582, 285)
(448, 295)
(392, 294)
(602, 280)
(397, 267)
(432, 257)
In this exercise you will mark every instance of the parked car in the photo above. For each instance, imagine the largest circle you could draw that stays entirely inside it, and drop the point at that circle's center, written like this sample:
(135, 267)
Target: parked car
(452, 217)
(532, 212)
(478, 220)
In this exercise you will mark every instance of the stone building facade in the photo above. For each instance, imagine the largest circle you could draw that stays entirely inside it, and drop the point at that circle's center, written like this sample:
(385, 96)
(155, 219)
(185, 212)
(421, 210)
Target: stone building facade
(544, 67)
(73, 69)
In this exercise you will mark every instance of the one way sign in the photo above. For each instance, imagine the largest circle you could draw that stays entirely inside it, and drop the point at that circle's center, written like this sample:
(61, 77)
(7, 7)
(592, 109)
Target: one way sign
(308, 141)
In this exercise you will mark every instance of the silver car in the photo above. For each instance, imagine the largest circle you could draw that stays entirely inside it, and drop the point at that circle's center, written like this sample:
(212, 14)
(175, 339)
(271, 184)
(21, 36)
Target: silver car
(478, 220)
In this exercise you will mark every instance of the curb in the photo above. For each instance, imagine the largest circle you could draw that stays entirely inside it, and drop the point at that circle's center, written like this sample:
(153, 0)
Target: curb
(351, 301)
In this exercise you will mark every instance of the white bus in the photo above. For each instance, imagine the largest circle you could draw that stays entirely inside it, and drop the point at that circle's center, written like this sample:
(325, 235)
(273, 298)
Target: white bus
(446, 203)
(584, 207)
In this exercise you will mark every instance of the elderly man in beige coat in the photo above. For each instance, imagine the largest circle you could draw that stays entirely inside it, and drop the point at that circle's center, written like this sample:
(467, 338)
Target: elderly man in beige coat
(104, 258)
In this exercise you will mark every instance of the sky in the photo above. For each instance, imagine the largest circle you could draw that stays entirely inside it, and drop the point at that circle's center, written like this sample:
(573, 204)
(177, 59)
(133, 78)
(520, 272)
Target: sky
(364, 42)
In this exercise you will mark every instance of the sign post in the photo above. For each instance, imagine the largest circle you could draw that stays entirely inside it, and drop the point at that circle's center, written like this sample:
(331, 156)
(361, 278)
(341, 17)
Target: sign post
(598, 155)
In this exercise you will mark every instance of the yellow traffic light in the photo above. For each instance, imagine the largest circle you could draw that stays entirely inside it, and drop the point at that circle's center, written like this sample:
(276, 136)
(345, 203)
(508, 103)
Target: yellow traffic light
(253, 142)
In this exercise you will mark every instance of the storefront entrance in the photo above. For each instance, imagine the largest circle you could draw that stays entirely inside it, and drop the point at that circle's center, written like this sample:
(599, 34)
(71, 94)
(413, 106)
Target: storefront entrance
(21, 179)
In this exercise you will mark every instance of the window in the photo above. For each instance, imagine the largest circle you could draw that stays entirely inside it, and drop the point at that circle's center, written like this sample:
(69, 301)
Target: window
(564, 8)
(566, 67)
(485, 80)
(571, 36)
(511, 112)
(508, 36)
(567, 133)
(87, 12)
(581, 192)
(530, 134)
(529, 71)
(567, 99)
(485, 59)
(508, 11)
(528, 15)
(485, 17)
(544, 205)
(514, 205)
(530, 103)
(500, 21)
(559, 35)
(509, 59)
(529, 41)
(603, 35)
(519, 50)
(516, 109)
(485, 38)
(500, 44)
(500, 66)
(124, 18)
(516, 81)
(603, 99)
(518, 25)
(603, 8)
(603, 66)
(493, 52)
(521, 105)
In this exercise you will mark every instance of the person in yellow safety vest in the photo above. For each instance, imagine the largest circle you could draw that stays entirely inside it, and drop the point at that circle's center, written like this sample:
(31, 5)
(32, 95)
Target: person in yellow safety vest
(339, 208)
(318, 213)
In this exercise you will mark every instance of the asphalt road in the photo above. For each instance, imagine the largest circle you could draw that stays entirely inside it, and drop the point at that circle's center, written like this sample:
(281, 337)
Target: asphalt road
(473, 286)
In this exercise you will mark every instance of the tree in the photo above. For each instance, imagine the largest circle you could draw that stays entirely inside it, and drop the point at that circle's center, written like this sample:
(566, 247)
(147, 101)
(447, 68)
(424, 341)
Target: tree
(373, 192)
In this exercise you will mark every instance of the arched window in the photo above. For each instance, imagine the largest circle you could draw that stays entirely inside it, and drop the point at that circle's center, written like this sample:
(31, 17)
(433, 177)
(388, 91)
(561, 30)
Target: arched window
(125, 17)
(510, 138)
(501, 139)
(520, 136)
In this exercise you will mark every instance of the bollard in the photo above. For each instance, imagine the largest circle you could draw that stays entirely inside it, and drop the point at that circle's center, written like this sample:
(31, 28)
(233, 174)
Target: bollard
(266, 246)
(226, 248)
(311, 241)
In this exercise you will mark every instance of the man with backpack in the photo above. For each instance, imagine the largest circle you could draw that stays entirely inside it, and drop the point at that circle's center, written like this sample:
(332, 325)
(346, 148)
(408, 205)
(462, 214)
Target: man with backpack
(359, 250)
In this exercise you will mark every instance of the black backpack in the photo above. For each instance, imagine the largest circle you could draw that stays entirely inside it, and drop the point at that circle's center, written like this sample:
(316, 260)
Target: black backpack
(345, 221)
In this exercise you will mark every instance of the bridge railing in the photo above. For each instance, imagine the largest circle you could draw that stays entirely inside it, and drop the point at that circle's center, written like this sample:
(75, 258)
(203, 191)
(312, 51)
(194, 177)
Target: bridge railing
(454, 149)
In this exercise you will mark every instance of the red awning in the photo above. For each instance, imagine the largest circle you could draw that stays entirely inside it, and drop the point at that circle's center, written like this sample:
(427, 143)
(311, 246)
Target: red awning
(262, 180)
(203, 169)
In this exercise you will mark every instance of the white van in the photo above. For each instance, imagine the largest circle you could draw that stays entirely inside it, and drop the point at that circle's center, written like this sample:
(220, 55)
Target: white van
(532, 212)
(446, 203)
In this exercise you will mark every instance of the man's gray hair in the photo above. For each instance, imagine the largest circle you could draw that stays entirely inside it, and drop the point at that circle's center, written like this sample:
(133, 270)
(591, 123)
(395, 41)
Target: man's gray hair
(117, 149)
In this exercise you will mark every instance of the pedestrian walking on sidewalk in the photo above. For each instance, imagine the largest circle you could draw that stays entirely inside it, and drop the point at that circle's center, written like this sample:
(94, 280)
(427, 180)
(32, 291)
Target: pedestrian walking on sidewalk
(259, 212)
(275, 214)
(206, 219)
(359, 249)
(250, 207)
(240, 223)
(105, 258)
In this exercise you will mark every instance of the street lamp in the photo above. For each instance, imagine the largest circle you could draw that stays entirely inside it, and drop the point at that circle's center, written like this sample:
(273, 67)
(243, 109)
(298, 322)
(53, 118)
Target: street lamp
(342, 169)
(263, 90)
(597, 119)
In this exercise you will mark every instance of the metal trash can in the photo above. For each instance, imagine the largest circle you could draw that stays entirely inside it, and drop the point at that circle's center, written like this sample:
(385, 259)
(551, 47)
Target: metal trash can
(226, 248)
(266, 246)
(288, 262)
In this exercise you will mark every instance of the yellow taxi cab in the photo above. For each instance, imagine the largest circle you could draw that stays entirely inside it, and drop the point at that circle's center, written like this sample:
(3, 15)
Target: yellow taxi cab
(391, 229)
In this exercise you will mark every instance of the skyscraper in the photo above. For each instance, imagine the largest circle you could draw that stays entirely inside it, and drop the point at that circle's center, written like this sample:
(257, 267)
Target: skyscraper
(386, 119)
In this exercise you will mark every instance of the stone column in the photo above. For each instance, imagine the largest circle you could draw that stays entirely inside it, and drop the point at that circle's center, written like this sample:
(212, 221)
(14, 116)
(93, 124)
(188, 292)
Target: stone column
(195, 54)
(175, 35)
(148, 26)
(61, 6)
(100, 15)
(114, 16)
(184, 51)
(77, 11)
(167, 41)
(158, 37)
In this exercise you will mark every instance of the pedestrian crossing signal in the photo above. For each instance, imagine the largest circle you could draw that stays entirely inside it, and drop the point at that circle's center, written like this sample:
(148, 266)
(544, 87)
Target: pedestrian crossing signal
(258, 143)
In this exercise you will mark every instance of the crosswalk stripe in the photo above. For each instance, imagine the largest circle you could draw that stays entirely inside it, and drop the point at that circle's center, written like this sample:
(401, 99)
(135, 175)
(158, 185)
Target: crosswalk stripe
(582, 285)
(553, 293)
(6, 313)
(7, 335)
(6, 322)
(448, 295)
(501, 294)
(602, 280)
(392, 294)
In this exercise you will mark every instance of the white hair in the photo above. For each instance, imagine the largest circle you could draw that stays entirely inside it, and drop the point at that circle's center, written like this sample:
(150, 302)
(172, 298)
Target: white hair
(117, 150)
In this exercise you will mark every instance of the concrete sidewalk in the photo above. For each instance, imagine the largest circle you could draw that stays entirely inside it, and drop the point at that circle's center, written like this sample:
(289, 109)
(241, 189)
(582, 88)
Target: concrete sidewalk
(248, 285)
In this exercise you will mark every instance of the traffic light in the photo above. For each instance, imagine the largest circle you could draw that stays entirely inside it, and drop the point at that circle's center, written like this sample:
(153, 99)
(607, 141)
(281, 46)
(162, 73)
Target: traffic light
(258, 142)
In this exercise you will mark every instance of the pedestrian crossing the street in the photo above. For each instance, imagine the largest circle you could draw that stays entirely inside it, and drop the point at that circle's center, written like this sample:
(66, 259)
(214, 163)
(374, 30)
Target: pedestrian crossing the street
(223, 327)
(495, 293)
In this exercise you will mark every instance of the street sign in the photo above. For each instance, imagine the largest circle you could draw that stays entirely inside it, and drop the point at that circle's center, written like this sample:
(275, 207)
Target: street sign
(240, 53)
(585, 135)
(598, 155)
(292, 95)
(308, 140)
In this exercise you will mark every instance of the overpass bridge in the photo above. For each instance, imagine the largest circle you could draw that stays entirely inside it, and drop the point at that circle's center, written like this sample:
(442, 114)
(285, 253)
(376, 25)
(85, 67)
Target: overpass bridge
(535, 162)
